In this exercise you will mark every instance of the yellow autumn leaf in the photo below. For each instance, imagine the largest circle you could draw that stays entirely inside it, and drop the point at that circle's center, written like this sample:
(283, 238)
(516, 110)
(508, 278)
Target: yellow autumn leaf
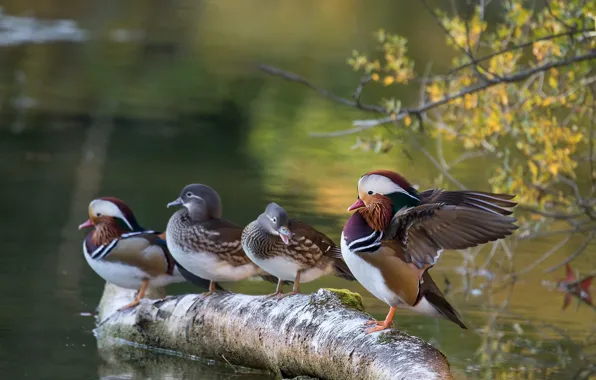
(374, 77)
(533, 169)
(434, 92)
(553, 168)
(388, 80)
(552, 81)
(468, 143)
(407, 120)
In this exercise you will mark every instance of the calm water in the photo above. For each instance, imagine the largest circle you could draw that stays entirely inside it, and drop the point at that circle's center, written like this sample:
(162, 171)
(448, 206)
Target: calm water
(138, 100)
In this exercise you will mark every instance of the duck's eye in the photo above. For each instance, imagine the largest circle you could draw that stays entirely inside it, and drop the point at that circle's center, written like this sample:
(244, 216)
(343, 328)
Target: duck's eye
(98, 214)
(189, 194)
(274, 220)
(370, 192)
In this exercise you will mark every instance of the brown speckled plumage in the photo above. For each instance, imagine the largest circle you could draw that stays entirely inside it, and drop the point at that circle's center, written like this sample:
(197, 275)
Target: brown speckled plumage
(215, 236)
(307, 247)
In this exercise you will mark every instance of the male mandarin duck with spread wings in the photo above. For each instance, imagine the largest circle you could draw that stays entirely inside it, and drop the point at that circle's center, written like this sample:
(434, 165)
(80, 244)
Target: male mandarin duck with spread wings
(397, 234)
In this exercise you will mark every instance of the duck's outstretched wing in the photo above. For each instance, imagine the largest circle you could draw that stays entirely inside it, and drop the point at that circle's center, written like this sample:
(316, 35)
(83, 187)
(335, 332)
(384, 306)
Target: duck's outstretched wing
(450, 220)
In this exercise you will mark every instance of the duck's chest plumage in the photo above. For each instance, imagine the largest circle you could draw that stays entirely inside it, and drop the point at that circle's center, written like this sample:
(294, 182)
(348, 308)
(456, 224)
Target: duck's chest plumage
(259, 244)
(119, 274)
(281, 260)
(210, 249)
(358, 240)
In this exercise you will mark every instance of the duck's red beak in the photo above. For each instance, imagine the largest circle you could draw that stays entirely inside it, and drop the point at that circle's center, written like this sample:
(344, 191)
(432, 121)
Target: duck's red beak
(88, 223)
(358, 204)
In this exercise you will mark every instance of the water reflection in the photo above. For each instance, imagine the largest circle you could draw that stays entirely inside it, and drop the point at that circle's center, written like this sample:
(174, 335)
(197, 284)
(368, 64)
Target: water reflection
(15, 30)
(163, 96)
(123, 362)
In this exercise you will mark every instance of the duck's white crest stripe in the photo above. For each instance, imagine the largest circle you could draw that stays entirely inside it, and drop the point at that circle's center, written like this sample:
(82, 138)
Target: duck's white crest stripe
(408, 194)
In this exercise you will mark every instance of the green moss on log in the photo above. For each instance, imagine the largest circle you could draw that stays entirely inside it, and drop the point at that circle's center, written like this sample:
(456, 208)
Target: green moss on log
(349, 299)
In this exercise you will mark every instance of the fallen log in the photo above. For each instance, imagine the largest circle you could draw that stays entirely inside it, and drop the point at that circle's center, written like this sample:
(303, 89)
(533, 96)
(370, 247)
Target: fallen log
(319, 335)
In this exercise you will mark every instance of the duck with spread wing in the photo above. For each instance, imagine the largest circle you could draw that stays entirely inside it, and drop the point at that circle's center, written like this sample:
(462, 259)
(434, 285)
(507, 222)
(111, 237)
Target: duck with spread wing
(397, 234)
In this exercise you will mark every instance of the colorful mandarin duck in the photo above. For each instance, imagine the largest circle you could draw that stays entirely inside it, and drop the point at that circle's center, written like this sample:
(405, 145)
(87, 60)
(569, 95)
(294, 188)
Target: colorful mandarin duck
(205, 244)
(397, 234)
(291, 250)
(125, 254)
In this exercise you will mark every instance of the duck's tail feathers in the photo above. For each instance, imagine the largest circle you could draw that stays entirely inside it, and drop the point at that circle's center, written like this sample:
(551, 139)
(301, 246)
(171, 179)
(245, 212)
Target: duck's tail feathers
(431, 292)
(445, 309)
(341, 270)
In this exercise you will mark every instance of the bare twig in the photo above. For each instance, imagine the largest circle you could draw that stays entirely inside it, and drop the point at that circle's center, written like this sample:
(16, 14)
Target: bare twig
(591, 156)
(552, 215)
(550, 11)
(493, 250)
(465, 156)
(436, 163)
(576, 253)
(579, 228)
(328, 94)
(446, 31)
(358, 91)
(545, 256)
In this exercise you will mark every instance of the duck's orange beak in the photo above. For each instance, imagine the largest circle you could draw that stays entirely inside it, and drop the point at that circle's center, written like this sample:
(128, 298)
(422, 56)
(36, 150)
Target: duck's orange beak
(358, 204)
(88, 223)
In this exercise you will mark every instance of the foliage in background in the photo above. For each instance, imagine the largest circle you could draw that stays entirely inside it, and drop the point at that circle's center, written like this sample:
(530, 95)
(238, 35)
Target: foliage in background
(520, 93)
(534, 127)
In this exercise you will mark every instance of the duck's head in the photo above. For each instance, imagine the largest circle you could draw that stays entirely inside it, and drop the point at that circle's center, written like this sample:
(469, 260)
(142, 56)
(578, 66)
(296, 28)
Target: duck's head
(201, 201)
(275, 221)
(110, 212)
(381, 193)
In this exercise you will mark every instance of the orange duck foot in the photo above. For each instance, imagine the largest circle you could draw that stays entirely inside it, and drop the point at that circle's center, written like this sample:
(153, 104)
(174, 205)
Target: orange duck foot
(280, 296)
(378, 323)
(130, 305)
(276, 294)
(380, 326)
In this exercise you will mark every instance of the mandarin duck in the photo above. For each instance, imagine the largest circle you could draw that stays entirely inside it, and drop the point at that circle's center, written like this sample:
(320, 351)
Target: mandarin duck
(397, 234)
(205, 244)
(122, 252)
(291, 250)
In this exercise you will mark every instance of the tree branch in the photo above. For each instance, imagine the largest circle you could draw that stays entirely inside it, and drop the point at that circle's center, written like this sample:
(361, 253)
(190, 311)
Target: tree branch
(576, 253)
(519, 76)
(541, 259)
(517, 47)
(292, 77)
(549, 214)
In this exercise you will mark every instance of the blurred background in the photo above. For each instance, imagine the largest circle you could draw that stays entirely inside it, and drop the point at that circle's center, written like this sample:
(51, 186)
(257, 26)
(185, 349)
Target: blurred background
(136, 99)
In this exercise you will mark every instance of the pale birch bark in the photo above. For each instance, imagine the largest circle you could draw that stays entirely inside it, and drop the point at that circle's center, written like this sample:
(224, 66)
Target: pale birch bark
(319, 335)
